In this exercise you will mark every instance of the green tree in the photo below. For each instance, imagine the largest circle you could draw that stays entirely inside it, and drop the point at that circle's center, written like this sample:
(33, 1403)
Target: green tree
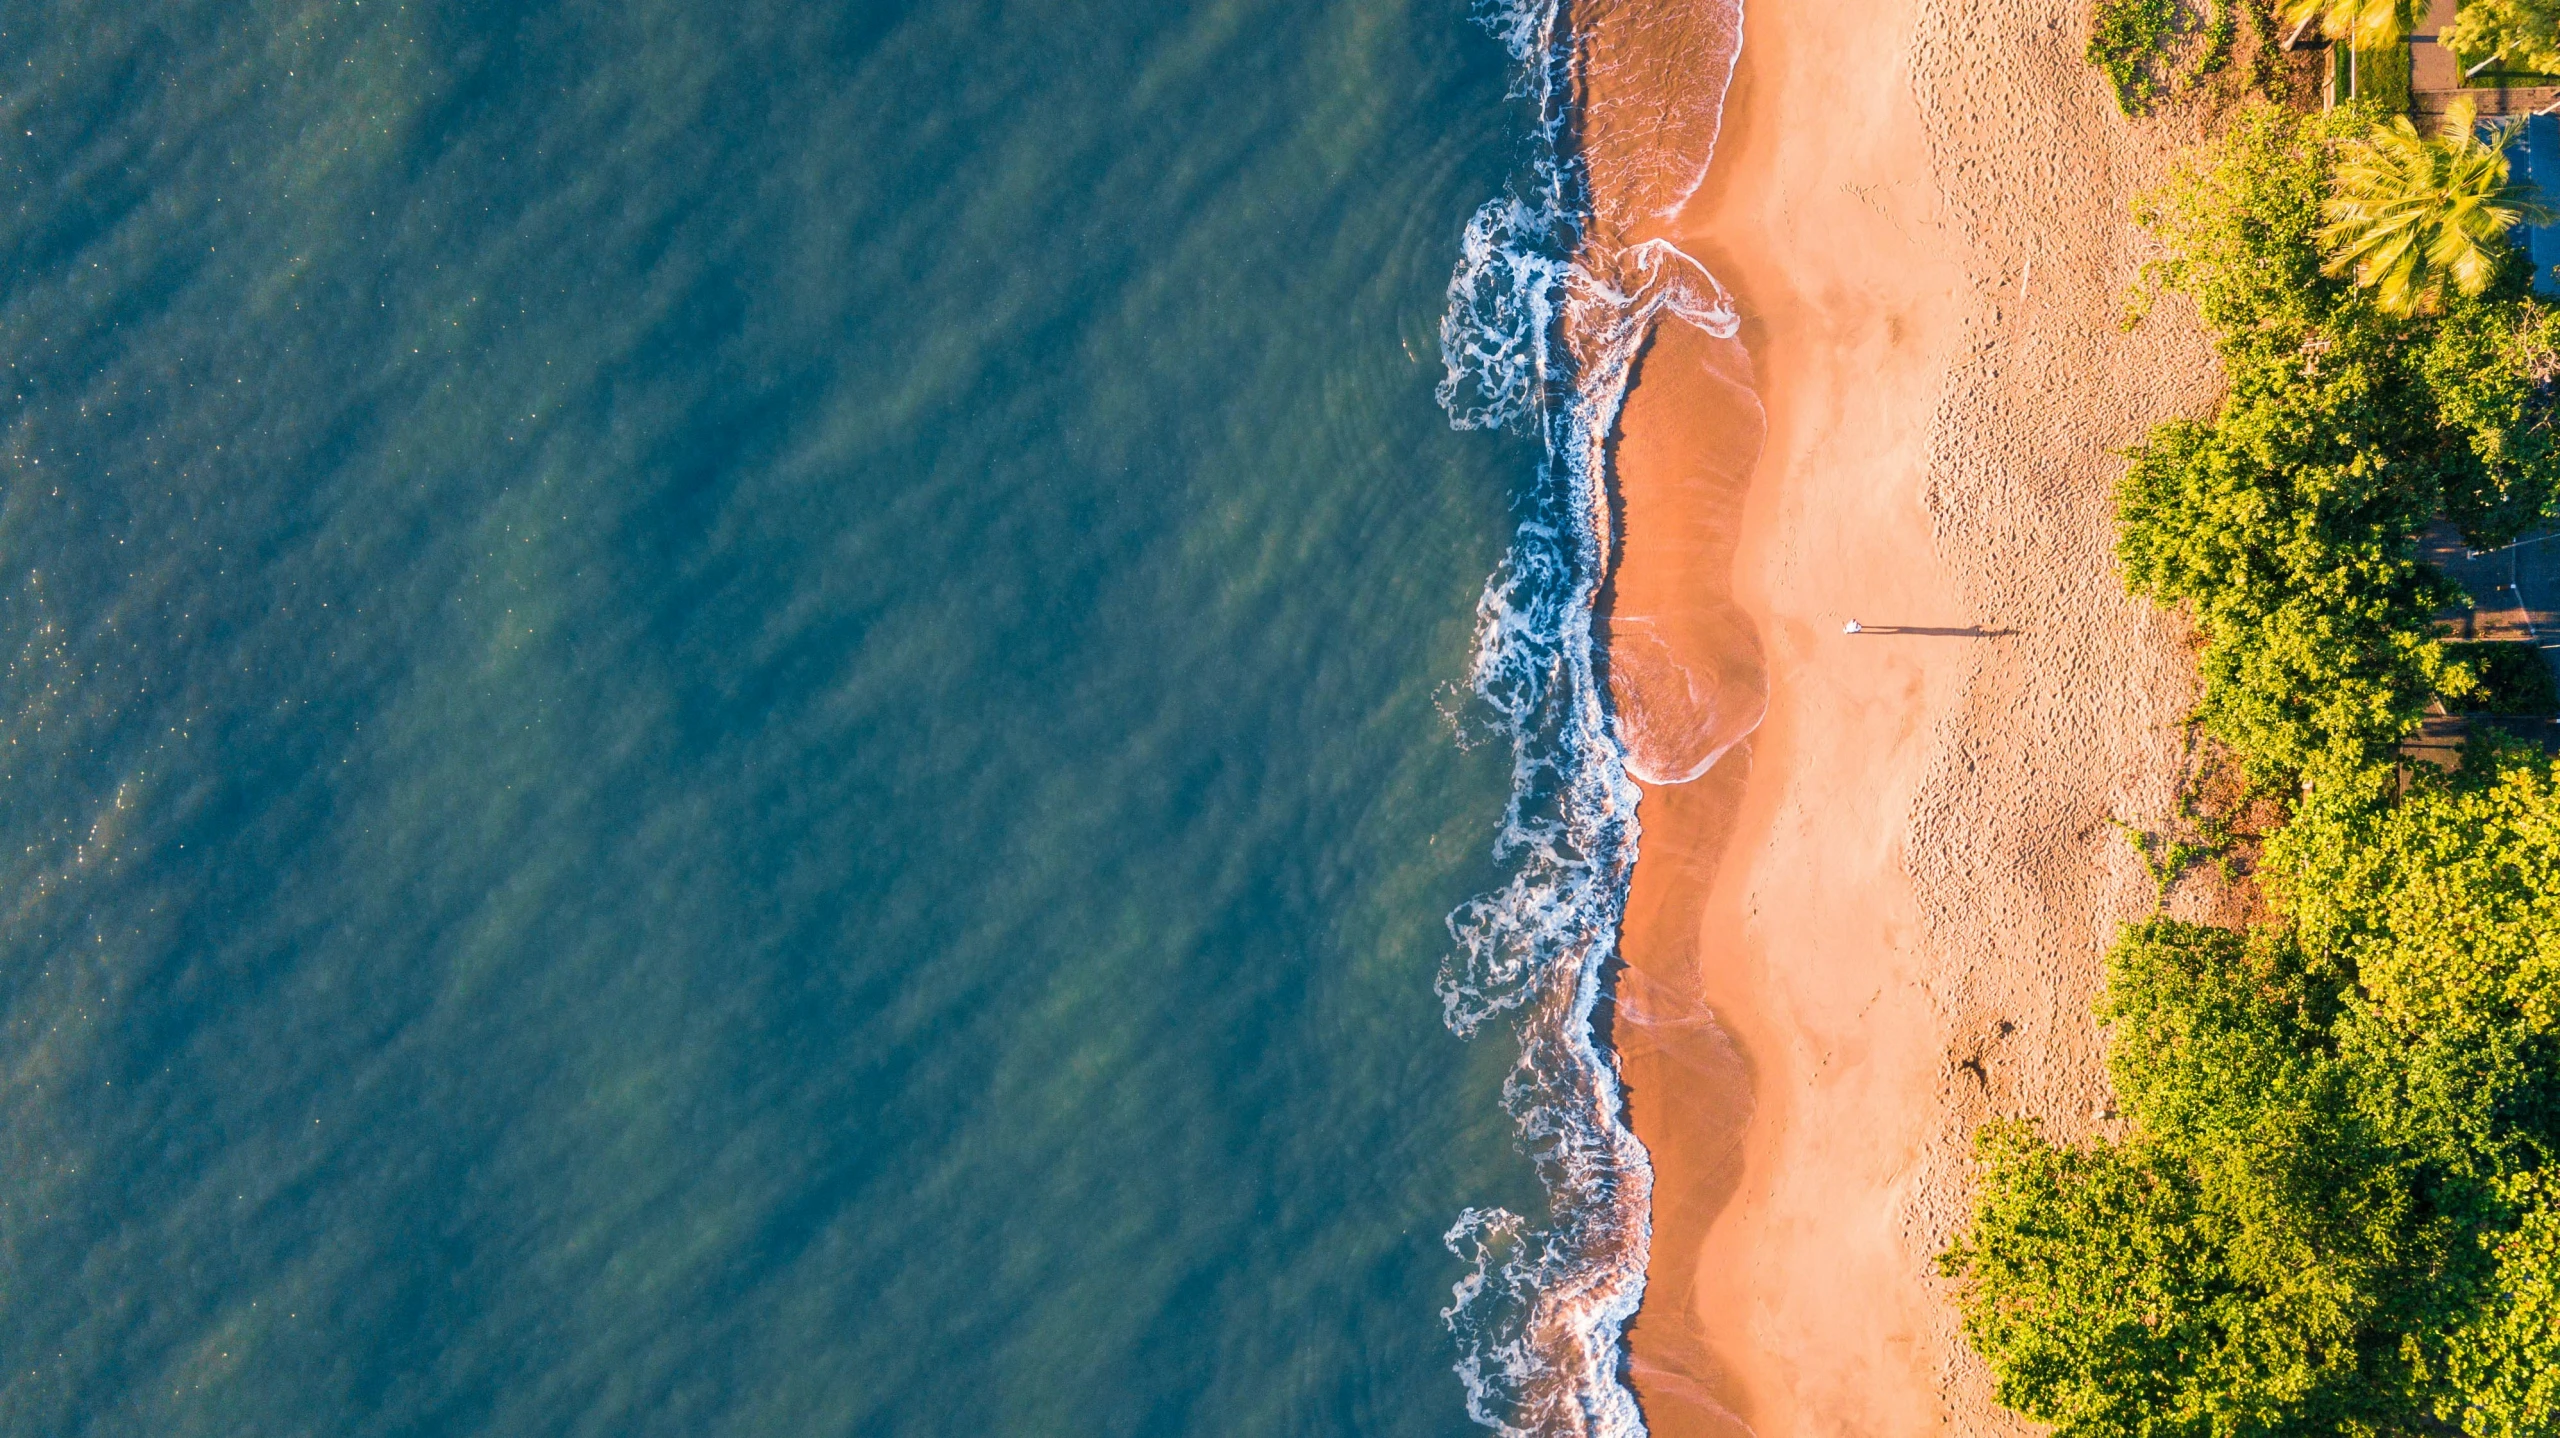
(2517, 35)
(2333, 1210)
(2089, 1336)
(2251, 1259)
(2288, 525)
(2443, 908)
(2293, 540)
(2410, 214)
(2490, 365)
(2502, 1368)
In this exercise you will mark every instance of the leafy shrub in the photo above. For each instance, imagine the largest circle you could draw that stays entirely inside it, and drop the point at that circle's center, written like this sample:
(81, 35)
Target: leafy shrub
(2125, 39)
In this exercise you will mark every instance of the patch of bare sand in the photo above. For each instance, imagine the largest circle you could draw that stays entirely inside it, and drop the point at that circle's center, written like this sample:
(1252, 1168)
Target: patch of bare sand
(1882, 919)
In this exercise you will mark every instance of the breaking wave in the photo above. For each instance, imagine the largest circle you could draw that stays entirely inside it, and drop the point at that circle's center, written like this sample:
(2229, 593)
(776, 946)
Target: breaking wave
(1548, 309)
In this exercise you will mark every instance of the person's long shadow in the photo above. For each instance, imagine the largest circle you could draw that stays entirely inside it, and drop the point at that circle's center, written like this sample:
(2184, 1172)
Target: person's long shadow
(1970, 631)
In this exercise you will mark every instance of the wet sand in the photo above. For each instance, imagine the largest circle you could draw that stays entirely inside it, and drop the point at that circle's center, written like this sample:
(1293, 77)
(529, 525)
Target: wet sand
(1881, 919)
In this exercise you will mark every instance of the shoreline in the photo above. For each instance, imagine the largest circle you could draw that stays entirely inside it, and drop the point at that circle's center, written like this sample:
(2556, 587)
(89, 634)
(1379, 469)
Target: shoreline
(1880, 919)
(1778, 1298)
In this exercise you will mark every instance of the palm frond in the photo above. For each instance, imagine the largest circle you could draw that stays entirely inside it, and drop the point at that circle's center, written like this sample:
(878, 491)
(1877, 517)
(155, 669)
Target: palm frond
(2407, 213)
(2366, 24)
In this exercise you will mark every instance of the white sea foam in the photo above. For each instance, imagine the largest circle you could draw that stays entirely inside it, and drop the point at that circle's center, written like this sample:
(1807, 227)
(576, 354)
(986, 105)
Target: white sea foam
(1539, 1319)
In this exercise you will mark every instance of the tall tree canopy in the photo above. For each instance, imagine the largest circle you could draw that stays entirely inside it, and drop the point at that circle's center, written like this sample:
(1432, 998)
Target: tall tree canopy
(2332, 1211)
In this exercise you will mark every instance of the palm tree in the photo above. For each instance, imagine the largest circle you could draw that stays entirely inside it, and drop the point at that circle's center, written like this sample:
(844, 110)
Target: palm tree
(2365, 24)
(2406, 213)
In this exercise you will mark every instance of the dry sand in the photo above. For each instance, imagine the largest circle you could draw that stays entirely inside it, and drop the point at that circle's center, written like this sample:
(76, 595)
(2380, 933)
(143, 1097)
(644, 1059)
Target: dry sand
(1882, 920)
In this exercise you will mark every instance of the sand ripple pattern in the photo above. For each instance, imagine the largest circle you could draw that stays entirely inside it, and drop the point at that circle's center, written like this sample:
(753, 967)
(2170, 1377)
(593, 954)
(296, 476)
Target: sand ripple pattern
(1547, 311)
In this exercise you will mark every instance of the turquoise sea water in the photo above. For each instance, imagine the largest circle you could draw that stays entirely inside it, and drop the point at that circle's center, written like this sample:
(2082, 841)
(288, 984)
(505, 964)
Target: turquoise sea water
(729, 719)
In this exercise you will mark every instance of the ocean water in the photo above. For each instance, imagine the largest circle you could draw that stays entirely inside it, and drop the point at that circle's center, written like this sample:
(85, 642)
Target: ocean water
(744, 719)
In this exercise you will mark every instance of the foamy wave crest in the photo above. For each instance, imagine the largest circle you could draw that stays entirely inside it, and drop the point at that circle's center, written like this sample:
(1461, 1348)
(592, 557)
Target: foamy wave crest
(1502, 305)
(1542, 335)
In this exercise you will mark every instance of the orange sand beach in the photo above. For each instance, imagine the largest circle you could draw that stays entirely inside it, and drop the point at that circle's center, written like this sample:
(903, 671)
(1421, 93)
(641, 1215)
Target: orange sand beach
(1880, 919)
